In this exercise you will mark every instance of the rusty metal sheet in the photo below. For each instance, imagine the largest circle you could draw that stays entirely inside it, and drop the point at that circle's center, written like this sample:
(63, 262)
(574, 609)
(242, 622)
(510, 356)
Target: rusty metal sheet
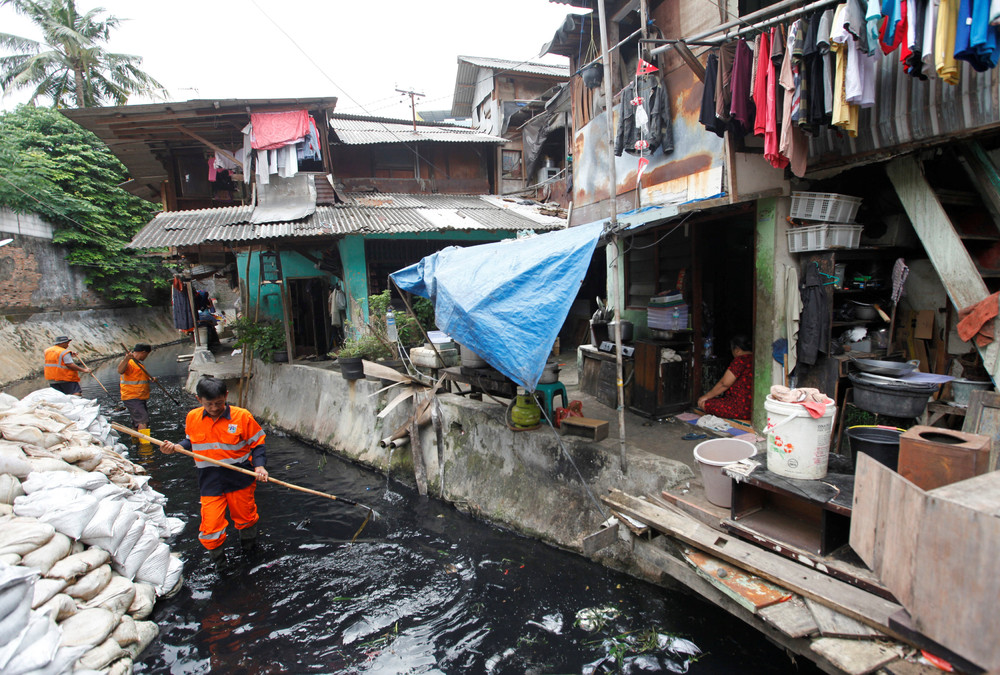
(748, 590)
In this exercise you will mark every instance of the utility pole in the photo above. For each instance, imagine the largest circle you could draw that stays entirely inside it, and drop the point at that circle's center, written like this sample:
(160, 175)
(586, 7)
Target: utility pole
(413, 103)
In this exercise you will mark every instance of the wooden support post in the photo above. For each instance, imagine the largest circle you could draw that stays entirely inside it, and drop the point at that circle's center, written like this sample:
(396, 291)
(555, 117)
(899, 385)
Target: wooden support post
(194, 315)
(419, 467)
(286, 315)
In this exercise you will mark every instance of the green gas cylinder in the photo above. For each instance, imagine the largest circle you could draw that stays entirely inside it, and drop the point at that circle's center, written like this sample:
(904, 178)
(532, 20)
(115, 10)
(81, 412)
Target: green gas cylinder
(525, 412)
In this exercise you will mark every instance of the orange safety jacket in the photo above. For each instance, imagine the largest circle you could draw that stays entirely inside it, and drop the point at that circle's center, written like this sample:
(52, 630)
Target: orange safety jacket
(56, 358)
(134, 383)
(235, 438)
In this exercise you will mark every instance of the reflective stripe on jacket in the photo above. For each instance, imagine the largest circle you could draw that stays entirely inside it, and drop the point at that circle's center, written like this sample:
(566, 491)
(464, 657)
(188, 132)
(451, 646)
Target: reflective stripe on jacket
(134, 383)
(56, 358)
(235, 438)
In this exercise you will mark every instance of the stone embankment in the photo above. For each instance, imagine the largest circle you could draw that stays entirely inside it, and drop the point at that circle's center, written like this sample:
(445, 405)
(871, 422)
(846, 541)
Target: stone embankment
(97, 334)
(82, 550)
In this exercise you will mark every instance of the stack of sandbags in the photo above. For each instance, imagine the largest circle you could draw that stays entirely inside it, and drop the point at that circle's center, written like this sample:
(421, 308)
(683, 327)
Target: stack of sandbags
(74, 413)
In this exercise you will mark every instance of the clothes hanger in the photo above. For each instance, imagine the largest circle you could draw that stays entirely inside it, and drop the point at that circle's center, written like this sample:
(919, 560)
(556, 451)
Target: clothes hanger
(832, 278)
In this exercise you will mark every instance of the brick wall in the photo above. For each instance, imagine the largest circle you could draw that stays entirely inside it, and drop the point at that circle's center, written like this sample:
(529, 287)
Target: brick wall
(34, 277)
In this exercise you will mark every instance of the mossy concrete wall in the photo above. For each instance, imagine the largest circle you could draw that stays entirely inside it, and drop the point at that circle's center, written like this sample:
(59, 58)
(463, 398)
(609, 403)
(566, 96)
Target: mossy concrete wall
(97, 334)
(521, 480)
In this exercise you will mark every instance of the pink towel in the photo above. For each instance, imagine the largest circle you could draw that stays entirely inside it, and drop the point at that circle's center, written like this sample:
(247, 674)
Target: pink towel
(275, 130)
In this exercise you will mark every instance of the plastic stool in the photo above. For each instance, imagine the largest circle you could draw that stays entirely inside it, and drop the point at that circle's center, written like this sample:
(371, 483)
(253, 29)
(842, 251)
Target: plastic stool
(547, 394)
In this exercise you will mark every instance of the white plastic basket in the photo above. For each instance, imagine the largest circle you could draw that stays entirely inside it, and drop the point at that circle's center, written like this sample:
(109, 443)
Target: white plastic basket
(843, 236)
(824, 236)
(825, 206)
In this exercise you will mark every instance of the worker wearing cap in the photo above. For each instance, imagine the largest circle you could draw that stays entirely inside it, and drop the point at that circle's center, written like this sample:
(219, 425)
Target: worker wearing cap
(61, 371)
(134, 386)
(229, 434)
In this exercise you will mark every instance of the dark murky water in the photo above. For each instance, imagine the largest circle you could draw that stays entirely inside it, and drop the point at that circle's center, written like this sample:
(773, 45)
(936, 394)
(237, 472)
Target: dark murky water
(424, 589)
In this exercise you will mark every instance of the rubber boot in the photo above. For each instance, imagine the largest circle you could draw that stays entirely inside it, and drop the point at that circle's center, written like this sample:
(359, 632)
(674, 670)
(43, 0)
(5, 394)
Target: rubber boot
(248, 539)
(218, 557)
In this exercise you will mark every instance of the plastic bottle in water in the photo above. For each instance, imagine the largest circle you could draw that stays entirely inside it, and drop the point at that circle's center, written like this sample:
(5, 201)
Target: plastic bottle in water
(390, 326)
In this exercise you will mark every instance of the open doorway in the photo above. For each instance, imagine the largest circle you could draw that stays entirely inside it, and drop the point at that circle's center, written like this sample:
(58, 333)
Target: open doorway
(309, 310)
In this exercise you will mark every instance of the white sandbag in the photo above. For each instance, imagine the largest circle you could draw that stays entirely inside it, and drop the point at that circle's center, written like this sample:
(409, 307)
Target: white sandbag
(78, 564)
(38, 645)
(38, 452)
(102, 523)
(109, 490)
(14, 461)
(50, 440)
(23, 535)
(10, 559)
(48, 481)
(122, 666)
(71, 519)
(14, 432)
(12, 624)
(147, 630)
(135, 532)
(47, 555)
(63, 662)
(90, 463)
(87, 627)
(7, 401)
(116, 597)
(123, 525)
(78, 547)
(6, 510)
(154, 569)
(126, 633)
(174, 525)
(174, 580)
(90, 584)
(37, 504)
(39, 419)
(45, 590)
(142, 603)
(74, 454)
(101, 656)
(60, 605)
(143, 548)
(51, 464)
(10, 488)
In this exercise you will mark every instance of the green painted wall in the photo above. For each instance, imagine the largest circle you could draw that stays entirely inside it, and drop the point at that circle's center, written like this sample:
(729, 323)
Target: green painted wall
(293, 265)
(766, 309)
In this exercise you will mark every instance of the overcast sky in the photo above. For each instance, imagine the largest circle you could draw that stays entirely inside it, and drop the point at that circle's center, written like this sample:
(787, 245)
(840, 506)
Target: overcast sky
(353, 50)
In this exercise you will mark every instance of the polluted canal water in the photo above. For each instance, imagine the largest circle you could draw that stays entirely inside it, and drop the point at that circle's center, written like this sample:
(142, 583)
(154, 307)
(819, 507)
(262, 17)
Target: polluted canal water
(424, 589)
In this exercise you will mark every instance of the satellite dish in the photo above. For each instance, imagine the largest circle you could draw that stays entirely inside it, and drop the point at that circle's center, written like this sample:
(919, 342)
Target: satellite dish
(4, 242)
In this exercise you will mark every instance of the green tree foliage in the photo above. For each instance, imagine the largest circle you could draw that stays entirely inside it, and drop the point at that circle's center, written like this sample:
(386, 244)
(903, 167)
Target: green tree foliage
(69, 65)
(51, 166)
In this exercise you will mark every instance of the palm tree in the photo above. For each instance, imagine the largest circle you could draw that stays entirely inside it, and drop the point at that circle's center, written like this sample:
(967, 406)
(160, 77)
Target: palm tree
(70, 65)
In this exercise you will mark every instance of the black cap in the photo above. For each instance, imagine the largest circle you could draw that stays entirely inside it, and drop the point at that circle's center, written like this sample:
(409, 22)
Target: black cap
(61, 339)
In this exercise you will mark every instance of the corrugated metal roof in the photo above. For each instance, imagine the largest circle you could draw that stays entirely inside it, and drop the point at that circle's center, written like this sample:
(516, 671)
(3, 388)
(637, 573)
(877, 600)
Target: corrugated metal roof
(361, 130)
(468, 73)
(365, 214)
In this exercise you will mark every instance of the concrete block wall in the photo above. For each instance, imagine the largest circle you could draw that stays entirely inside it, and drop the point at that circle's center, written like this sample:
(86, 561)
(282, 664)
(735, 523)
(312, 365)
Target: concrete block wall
(34, 276)
(520, 480)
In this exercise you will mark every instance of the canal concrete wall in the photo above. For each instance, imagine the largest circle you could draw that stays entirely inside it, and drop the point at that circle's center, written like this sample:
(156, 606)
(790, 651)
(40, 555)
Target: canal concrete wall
(521, 480)
(96, 334)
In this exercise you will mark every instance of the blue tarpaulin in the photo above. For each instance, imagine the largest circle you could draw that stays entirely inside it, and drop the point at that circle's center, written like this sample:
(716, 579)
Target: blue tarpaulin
(506, 300)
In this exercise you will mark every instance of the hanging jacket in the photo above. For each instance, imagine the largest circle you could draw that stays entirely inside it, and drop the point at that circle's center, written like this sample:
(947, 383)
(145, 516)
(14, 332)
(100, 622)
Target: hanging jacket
(814, 322)
(660, 128)
(56, 358)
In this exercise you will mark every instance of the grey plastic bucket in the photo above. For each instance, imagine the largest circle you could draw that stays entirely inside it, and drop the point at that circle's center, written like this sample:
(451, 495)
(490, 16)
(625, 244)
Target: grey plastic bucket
(714, 454)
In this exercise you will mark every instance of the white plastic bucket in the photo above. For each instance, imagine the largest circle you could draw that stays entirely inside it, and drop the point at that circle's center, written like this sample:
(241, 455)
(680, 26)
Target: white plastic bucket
(714, 454)
(798, 445)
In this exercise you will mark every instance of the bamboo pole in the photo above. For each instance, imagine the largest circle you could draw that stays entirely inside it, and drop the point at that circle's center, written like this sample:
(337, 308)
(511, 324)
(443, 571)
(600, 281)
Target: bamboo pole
(143, 368)
(91, 373)
(194, 315)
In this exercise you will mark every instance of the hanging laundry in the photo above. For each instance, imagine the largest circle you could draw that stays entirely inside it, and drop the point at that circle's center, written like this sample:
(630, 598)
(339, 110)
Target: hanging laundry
(844, 115)
(225, 161)
(944, 41)
(827, 58)
(928, 68)
(892, 10)
(756, 65)
(655, 106)
(741, 108)
(873, 18)
(815, 80)
(760, 91)
(707, 114)
(309, 148)
(274, 130)
(976, 40)
(916, 11)
(796, 43)
(181, 307)
(723, 81)
(771, 139)
(778, 44)
(794, 144)
(211, 169)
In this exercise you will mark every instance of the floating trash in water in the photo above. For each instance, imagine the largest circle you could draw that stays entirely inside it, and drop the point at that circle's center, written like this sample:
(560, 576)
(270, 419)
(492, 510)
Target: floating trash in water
(647, 651)
(595, 618)
(552, 623)
(303, 524)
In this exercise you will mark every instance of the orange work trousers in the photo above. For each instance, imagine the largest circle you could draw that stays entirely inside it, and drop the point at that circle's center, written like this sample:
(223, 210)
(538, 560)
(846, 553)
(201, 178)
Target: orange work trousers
(242, 509)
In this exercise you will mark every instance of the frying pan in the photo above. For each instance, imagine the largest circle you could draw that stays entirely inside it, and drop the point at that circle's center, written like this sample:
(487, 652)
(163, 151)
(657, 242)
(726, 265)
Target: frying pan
(888, 368)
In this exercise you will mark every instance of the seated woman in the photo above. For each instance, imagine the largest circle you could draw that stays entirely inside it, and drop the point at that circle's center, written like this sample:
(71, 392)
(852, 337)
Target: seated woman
(731, 397)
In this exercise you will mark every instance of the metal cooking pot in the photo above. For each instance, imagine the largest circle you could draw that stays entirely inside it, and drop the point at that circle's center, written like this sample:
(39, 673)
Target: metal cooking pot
(551, 373)
(888, 368)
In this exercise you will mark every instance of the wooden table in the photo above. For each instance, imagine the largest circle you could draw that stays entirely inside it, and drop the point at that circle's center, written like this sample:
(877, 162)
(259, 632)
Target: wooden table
(481, 381)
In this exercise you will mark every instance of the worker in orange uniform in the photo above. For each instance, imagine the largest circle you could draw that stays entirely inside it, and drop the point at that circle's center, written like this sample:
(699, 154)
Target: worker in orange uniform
(134, 386)
(229, 434)
(61, 371)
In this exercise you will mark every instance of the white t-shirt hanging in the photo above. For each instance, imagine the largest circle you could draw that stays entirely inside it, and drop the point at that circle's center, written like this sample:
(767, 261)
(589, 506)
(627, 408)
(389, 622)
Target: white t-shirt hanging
(641, 117)
(930, 30)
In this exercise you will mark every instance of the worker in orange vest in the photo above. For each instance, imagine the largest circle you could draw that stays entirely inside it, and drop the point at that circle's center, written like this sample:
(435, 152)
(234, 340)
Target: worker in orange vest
(229, 434)
(134, 386)
(61, 371)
